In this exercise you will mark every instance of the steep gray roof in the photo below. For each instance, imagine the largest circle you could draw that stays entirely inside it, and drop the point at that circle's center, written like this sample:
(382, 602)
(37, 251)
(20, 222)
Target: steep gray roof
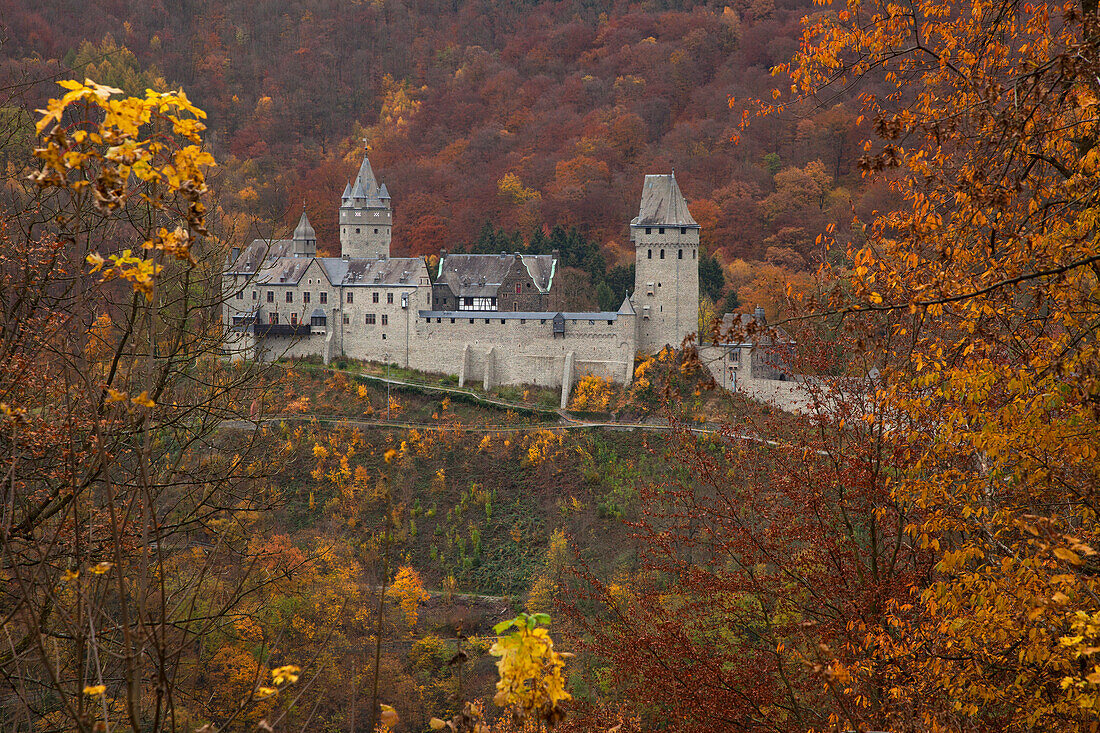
(304, 230)
(481, 275)
(663, 204)
(364, 191)
(347, 191)
(366, 177)
(253, 256)
(283, 271)
(334, 268)
(401, 271)
(627, 308)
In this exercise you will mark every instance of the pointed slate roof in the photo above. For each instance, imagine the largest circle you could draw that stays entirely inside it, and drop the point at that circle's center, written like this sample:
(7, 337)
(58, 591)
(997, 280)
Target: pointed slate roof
(383, 192)
(627, 308)
(366, 177)
(347, 191)
(357, 191)
(663, 204)
(304, 230)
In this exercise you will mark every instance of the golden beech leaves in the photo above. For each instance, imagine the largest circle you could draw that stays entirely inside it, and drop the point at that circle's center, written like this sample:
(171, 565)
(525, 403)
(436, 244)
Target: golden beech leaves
(531, 680)
(983, 286)
(129, 152)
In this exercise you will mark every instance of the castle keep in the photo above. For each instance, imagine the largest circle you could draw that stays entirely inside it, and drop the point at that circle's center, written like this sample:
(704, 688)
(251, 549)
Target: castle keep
(481, 317)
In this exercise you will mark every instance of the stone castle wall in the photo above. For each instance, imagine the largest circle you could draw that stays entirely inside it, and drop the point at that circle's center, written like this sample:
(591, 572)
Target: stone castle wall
(500, 349)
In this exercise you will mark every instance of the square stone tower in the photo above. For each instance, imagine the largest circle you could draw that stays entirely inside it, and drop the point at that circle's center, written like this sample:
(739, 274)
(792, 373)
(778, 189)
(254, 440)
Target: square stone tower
(666, 274)
(366, 218)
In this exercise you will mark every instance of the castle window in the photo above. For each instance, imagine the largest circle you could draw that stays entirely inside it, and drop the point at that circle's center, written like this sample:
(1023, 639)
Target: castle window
(253, 295)
(290, 296)
(385, 320)
(517, 288)
(680, 255)
(661, 230)
(376, 231)
(611, 323)
(273, 319)
(318, 321)
(683, 230)
(356, 230)
(649, 254)
(591, 322)
(294, 319)
(324, 297)
(240, 295)
(453, 320)
(502, 321)
(522, 321)
(439, 320)
(389, 298)
(374, 297)
(486, 320)
(383, 337)
(471, 320)
(345, 320)
(662, 254)
(648, 230)
(270, 296)
(515, 305)
(305, 297)
(542, 321)
(350, 297)
(444, 301)
(370, 319)
(693, 254)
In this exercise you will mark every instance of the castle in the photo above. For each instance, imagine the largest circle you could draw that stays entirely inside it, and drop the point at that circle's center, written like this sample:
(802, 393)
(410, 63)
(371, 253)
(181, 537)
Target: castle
(481, 317)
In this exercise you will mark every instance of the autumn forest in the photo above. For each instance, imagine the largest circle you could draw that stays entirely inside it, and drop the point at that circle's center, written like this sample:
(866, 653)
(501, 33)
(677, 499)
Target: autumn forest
(192, 539)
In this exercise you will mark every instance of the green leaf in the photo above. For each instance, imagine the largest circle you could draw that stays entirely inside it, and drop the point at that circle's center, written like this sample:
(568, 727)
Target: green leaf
(504, 626)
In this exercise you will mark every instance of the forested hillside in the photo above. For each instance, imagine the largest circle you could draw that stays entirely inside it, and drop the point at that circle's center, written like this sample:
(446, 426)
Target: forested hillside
(520, 115)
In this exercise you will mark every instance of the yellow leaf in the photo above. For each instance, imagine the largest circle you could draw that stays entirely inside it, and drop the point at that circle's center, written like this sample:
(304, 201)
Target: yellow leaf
(95, 689)
(436, 724)
(102, 567)
(389, 716)
(286, 673)
(1068, 555)
(143, 400)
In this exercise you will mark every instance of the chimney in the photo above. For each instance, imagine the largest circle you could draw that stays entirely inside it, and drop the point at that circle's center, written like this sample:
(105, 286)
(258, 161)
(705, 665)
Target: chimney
(556, 254)
(758, 314)
(442, 254)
